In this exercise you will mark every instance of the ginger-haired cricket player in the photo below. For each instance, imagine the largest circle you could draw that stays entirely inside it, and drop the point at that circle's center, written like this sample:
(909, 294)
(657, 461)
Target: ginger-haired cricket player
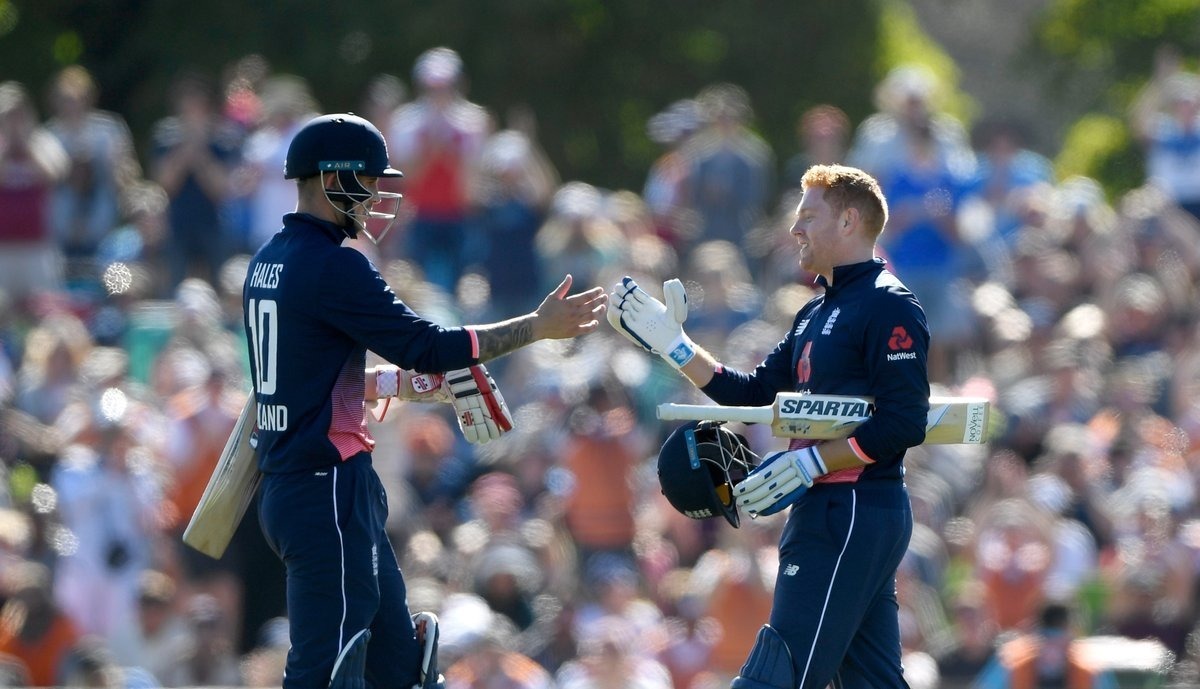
(834, 618)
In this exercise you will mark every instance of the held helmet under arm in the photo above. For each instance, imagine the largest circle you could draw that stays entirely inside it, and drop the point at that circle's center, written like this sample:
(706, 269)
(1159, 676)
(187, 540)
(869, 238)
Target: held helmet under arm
(351, 147)
(698, 467)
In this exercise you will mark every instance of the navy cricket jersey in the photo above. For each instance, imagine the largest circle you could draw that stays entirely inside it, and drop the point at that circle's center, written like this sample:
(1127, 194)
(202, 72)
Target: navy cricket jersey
(312, 308)
(866, 335)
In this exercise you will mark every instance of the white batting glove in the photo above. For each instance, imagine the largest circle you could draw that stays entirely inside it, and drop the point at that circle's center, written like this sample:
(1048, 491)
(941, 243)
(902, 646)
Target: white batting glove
(482, 413)
(779, 481)
(648, 322)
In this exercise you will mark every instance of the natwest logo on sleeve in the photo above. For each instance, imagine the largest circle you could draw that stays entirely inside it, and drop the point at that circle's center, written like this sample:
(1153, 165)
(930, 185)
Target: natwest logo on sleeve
(900, 342)
(900, 339)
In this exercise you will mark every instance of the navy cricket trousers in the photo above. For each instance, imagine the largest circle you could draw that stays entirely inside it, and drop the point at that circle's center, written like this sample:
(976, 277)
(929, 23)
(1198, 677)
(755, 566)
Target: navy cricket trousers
(835, 595)
(342, 577)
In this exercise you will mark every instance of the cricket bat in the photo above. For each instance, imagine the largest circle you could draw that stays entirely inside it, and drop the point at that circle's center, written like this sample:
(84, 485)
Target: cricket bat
(952, 420)
(229, 491)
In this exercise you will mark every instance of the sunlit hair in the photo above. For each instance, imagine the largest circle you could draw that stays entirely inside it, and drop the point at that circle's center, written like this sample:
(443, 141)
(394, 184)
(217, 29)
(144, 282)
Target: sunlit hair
(848, 187)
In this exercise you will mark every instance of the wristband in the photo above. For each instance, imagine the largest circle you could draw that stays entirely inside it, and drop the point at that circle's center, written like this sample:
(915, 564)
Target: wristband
(387, 382)
(681, 351)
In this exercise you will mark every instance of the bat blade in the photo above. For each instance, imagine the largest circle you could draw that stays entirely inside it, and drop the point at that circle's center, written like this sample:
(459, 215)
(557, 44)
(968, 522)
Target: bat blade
(952, 420)
(229, 492)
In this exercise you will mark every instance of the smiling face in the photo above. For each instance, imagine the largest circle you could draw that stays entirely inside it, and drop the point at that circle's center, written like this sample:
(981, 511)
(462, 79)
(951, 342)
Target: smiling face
(817, 231)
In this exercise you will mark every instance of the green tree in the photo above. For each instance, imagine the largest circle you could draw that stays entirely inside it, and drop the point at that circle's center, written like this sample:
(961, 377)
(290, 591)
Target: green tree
(591, 70)
(1099, 54)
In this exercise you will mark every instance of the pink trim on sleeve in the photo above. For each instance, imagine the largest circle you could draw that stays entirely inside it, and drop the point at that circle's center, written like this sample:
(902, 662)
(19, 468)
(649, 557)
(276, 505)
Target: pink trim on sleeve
(719, 368)
(858, 451)
(474, 343)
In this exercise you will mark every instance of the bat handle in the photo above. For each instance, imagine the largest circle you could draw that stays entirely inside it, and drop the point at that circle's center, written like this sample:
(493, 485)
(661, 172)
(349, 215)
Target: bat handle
(713, 412)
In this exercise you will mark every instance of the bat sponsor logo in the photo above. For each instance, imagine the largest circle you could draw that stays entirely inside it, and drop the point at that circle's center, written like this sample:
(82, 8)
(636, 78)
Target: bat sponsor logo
(272, 417)
(811, 407)
(974, 427)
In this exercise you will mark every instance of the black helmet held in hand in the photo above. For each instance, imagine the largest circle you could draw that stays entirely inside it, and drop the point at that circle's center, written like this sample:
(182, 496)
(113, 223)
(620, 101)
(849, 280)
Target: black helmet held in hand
(698, 467)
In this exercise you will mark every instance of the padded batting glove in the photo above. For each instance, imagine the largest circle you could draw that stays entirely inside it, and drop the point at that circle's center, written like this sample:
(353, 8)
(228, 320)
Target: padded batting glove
(482, 414)
(391, 381)
(651, 324)
(425, 624)
(779, 481)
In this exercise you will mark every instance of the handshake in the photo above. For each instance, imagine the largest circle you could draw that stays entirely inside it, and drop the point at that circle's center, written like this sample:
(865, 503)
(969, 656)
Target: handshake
(478, 405)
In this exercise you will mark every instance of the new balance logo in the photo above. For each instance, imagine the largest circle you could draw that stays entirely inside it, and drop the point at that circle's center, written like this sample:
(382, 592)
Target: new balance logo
(791, 570)
(800, 328)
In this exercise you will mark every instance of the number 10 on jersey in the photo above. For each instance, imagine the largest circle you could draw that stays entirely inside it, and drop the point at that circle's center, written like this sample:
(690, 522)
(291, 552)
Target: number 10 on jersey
(264, 331)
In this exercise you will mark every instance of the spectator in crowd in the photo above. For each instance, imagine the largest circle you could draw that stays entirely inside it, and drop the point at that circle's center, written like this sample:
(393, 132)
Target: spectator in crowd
(601, 453)
(49, 375)
(436, 141)
(109, 499)
(210, 659)
(689, 634)
(489, 660)
(287, 104)
(577, 237)
(1047, 656)
(731, 177)
(86, 204)
(974, 638)
(737, 578)
(32, 163)
(610, 658)
(907, 106)
(199, 419)
(666, 188)
(193, 153)
(140, 243)
(94, 666)
(823, 132)
(1007, 170)
(513, 191)
(1013, 556)
(1166, 120)
(33, 630)
(383, 96)
(723, 295)
(161, 634)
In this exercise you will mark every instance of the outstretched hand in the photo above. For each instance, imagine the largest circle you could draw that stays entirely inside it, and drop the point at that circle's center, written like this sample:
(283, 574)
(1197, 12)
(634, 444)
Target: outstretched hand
(560, 316)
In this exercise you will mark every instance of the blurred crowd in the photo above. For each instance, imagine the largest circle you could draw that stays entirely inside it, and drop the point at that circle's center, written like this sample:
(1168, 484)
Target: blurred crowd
(550, 555)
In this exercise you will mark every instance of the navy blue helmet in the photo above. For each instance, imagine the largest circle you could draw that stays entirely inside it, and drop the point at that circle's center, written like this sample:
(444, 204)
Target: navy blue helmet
(336, 143)
(698, 467)
(351, 147)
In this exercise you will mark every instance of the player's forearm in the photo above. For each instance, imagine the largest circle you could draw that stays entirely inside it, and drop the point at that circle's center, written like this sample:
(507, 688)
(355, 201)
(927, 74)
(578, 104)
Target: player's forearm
(838, 454)
(701, 368)
(497, 339)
